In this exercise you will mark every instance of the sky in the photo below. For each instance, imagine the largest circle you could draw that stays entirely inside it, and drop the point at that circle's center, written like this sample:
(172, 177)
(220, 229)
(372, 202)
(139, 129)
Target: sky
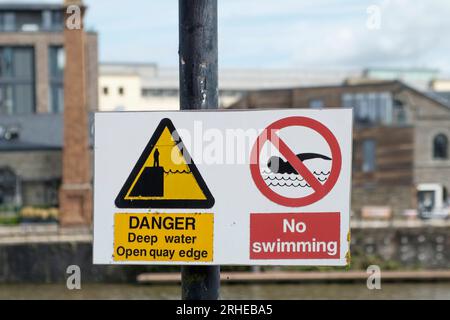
(337, 34)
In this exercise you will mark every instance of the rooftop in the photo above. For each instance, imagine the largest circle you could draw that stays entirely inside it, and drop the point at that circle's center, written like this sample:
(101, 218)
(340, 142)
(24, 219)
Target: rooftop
(441, 98)
(154, 77)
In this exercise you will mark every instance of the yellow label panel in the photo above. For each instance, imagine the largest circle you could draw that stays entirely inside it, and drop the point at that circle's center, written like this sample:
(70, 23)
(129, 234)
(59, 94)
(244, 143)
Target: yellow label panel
(186, 237)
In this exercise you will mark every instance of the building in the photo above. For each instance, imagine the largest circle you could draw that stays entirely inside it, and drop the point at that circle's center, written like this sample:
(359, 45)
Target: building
(121, 88)
(401, 157)
(146, 86)
(440, 85)
(32, 61)
(440, 89)
(134, 87)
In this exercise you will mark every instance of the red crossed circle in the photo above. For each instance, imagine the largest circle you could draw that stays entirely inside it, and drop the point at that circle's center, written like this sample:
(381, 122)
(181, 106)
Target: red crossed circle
(269, 135)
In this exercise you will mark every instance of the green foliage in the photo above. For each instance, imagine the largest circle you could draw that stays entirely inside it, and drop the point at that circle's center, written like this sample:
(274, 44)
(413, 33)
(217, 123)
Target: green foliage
(9, 220)
(9, 215)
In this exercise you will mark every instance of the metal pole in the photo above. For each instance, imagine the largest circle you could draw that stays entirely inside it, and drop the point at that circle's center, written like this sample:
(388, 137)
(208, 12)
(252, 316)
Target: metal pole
(198, 90)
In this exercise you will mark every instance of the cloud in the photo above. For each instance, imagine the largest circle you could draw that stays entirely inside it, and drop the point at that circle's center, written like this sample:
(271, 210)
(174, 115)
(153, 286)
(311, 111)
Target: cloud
(409, 35)
(288, 33)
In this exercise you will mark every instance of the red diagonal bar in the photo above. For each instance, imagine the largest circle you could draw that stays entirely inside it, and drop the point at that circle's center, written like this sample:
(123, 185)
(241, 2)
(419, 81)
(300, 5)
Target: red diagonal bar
(296, 163)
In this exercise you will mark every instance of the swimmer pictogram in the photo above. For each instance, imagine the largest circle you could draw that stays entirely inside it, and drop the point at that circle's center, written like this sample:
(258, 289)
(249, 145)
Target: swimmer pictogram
(292, 170)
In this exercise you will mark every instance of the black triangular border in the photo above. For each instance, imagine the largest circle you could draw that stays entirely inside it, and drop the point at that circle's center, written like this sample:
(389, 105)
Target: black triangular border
(160, 203)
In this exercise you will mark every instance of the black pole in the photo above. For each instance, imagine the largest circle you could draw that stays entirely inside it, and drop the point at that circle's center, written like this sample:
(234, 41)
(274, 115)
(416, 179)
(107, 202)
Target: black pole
(198, 90)
(198, 54)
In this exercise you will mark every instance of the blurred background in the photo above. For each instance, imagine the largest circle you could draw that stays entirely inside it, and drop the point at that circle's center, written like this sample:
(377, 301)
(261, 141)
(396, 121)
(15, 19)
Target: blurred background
(388, 60)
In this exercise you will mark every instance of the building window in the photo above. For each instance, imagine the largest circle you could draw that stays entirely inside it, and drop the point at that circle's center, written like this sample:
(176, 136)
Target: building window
(56, 79)
(399, 112)
(146, 92)
(46, 20)
(7, 21)
(440, 146)
(121, 91)
(105, 91)
(32, 20)
(316, 104)
(151, 93)
(370, 107)
(28, 21)
(51, 192)
(17, 80)
(368, 147)
(57, 20)
(9, 188)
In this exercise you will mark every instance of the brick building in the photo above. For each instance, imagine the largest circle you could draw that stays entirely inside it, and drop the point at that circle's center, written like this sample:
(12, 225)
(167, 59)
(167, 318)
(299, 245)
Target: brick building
(401, 137)
(32, 63)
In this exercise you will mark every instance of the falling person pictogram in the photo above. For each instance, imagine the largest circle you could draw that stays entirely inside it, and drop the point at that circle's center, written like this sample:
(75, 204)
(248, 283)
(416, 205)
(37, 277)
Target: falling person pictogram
(151, 183)
(165, 176)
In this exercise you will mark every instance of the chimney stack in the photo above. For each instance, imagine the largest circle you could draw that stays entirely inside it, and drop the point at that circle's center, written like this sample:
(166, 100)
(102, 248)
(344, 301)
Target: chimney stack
(75, 195)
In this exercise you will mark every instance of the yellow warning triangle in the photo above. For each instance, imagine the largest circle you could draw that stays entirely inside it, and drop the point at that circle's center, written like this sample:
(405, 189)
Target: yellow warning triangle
(165, 176)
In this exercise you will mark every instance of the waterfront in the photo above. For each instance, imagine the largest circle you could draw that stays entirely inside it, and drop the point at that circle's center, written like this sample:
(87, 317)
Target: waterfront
(432, 290)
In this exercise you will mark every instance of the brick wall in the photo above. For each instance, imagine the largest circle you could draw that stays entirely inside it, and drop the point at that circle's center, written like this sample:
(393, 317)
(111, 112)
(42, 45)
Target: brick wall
(403, 247)
(423, 247)
(399, 198)
(427, 169)
(36, 165)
